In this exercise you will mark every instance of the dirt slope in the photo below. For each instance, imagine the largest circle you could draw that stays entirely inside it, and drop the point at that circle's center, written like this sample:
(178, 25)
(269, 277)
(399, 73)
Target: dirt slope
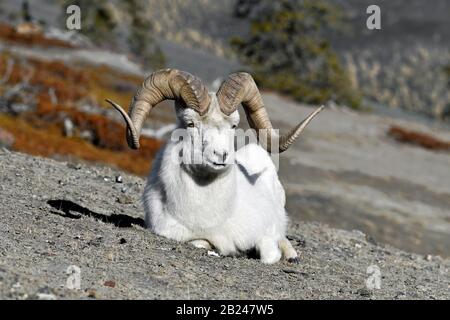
(347, 172)
(54, 215)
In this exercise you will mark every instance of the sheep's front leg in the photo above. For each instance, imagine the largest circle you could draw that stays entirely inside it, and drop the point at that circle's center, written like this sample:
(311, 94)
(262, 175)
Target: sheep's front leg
(201, 244)
(223, 245)
(268, 249)
(288, 251)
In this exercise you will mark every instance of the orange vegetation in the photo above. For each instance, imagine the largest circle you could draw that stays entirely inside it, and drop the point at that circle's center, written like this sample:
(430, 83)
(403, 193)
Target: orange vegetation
(10, 34)
(40, 132)
(73, 83)
(417, 138)
(49, 142)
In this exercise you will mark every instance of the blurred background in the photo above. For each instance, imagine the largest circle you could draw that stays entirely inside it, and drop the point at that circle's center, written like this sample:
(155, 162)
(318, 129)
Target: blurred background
(377, 159)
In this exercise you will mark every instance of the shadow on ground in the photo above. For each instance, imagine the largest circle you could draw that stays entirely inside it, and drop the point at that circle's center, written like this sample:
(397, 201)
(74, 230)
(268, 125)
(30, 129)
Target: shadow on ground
(72, 210)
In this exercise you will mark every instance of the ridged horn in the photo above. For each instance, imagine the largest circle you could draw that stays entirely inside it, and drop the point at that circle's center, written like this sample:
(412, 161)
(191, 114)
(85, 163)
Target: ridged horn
(240, 88)
(166, 84)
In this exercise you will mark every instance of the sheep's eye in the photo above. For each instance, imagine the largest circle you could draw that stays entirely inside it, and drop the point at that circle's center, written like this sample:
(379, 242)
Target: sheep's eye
(233, 126)
(190, 125)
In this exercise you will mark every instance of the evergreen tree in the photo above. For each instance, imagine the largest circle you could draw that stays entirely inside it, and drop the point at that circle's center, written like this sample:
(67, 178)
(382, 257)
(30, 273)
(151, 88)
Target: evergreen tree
(26, 16)
(140, 39)
(288, 51)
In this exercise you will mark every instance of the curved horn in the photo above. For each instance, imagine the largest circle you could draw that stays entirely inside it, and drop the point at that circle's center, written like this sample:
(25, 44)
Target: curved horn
(241, 88)
(159, 86)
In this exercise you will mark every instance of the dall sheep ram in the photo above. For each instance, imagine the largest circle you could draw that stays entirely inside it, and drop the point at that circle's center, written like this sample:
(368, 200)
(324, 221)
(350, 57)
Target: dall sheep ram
(229, 200)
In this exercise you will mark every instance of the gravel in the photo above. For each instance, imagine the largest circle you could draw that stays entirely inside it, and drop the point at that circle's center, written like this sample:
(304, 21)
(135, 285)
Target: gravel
(52, 232)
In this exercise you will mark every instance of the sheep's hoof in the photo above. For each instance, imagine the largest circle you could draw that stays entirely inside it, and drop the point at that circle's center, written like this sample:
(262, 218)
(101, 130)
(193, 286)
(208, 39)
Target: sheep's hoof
(201, 244)
(295, 260)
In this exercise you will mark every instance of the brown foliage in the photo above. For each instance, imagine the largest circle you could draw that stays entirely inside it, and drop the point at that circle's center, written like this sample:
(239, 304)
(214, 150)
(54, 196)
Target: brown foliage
(49, 142)
(40, 132)
(10, 34)
(417, 138)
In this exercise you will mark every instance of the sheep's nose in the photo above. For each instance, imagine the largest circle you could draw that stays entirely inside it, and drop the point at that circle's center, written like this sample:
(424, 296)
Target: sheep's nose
(223, 155)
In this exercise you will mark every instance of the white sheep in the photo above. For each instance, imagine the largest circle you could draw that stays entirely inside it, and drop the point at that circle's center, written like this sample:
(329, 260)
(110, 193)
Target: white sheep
(200, 190)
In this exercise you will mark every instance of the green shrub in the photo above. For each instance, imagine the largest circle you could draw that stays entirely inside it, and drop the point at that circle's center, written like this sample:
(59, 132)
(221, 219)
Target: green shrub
(140, 39)
(287, 50)
(99, 22)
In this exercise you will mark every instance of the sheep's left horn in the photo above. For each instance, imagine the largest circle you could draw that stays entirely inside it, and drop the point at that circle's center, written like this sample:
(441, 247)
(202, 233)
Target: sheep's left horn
(241, 88)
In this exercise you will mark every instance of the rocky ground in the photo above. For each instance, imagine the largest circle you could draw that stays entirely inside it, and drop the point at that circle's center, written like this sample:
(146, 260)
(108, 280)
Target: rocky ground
(347, 172)
(344, 172)
(55, 215)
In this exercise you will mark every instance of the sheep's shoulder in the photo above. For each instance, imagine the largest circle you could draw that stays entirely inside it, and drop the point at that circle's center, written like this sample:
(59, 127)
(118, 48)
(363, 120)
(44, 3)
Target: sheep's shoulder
(257, 168)
(255, 159)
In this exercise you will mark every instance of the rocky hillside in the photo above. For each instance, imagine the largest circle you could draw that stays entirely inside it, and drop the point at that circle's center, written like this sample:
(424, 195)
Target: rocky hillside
(402, 66)
(56, 215)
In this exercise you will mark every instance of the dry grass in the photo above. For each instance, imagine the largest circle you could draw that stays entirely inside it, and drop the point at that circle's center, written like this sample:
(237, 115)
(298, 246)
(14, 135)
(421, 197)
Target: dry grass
(72, 84)
(41, 130)
(411, 78)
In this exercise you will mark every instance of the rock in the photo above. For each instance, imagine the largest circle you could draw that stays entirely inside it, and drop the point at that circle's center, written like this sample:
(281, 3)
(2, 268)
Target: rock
(72, 37)
(46, 296)
(86, 135)
(53, 96)
(76, 166)
(125, 199)
(97, 241)
(68, 127)
(92, 293)
(364, 292)
(17, 108)
(28, 28)
(6, 139)
(110, 283)
(297, 240)
(213, 253)
(293, 271)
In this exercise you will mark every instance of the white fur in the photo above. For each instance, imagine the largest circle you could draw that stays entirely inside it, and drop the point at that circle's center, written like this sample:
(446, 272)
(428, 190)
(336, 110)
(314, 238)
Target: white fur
(235, 209)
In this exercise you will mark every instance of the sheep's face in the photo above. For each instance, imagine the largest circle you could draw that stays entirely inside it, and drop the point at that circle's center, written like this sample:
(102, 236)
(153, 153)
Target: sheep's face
(207, 146)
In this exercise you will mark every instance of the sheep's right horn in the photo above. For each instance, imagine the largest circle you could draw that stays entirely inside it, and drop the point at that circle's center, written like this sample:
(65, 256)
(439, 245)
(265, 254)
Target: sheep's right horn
(241, 88)
(159, 86)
